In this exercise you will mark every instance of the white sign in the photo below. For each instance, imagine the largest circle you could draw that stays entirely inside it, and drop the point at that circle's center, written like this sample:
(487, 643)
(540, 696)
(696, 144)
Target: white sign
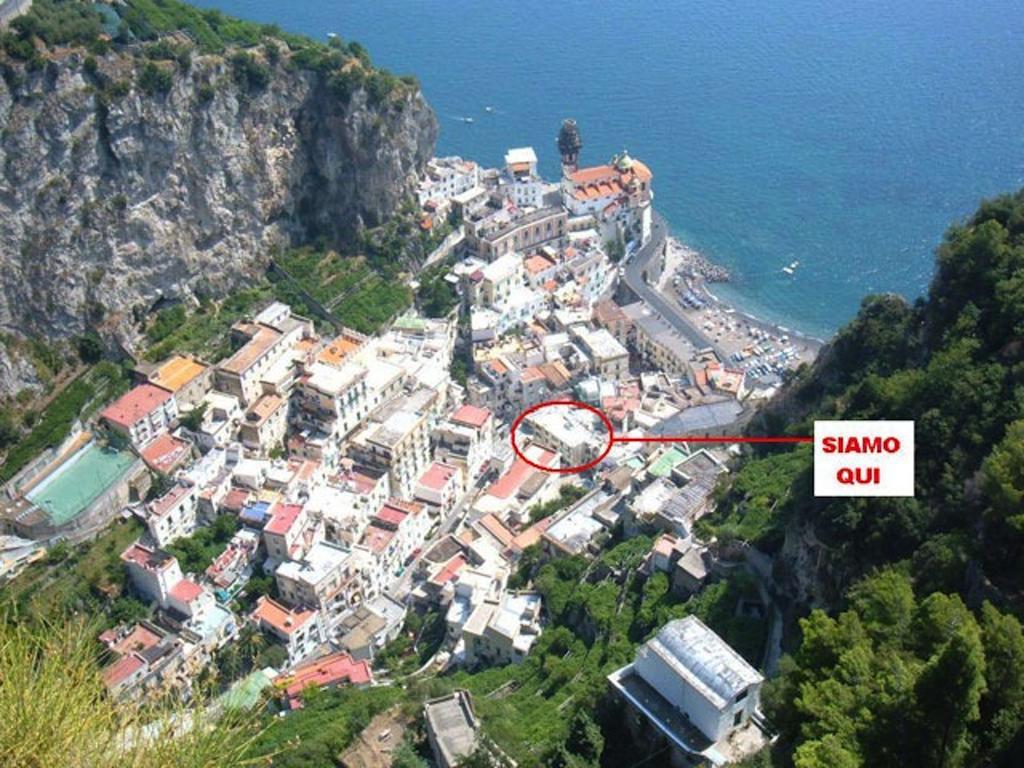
(863, 458)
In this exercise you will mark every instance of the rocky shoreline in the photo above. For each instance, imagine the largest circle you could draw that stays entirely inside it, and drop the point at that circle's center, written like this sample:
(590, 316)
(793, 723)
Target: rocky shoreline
(696, 265)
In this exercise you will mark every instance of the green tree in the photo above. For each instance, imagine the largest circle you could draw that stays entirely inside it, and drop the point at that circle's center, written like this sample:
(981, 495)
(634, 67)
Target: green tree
(947, 695)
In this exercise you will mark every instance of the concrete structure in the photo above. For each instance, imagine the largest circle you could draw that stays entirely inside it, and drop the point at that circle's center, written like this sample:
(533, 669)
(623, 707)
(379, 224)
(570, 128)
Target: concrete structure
(492, 238)
(264, 425)
(398, 441)
(502, 631)
(332, 399)
(451, 727)
(609, 359)
(520, 175)
(440, 487)
(447, 177)
(466, 440)
(265, 341)
(690, 685)
(152, 572)
(328, 579)
(297, 631)
(173, 515)
(661, 346)
(575, 434)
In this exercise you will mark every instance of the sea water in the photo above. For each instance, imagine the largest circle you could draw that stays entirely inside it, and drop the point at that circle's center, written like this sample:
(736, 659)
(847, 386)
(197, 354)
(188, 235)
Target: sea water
(843, 135)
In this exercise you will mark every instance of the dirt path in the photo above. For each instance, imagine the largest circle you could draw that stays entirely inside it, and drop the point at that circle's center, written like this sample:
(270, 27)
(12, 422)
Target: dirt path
(373, 747)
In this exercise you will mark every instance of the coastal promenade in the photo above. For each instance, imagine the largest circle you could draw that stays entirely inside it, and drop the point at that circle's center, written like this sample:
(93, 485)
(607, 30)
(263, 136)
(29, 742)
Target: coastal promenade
(633, 277)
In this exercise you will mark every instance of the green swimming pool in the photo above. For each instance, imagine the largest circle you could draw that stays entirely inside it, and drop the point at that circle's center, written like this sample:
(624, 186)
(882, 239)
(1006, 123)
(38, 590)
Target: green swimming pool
(79, 481)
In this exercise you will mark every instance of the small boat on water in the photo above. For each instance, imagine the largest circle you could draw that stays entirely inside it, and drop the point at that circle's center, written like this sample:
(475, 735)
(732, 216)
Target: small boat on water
(791, 268)
(467, 119)
(488, 109)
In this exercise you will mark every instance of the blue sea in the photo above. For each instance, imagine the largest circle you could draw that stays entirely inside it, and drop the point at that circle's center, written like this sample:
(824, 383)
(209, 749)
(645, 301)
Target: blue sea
(846, 135)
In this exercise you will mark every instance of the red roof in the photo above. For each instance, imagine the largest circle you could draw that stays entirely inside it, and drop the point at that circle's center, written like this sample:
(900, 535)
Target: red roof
(121, 670)
(391, 515)
(146, 557)
(471, 416)
(283, 518)
(135, 405)
(327, 671)
(186, 591)
(166, 453)
(497, 529)
(139, 639)
(275, 615)
(438, 476)
(169, 500)
(235, 499)
(507, 485)
(450, 570)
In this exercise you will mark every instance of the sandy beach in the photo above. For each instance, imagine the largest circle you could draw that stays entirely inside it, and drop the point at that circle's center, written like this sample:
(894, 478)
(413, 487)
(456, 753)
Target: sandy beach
(765, 350)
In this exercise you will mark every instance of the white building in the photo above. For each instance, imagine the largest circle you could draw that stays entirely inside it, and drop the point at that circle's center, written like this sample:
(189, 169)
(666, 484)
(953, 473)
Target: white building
(608, 358)
(440, 487)
(328, 579)
(334, 400)
(502, 631)
(142, 413)
(525, 186)
(272, 335)
(575, 434)
(466, 440)
(173, 515)
(152, 572)
(264, 426)
(686, 678)
(447, 177)
(298, 631)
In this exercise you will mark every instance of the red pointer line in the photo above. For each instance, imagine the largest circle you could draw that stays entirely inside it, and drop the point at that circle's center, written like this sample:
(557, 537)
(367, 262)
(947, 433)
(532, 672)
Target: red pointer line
(718, 439)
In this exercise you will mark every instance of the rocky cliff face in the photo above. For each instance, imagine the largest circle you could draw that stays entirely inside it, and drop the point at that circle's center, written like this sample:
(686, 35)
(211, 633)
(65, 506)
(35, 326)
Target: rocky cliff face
(112, 197)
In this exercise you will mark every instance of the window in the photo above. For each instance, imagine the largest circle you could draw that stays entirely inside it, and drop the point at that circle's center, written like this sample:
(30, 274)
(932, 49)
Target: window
(737, 718)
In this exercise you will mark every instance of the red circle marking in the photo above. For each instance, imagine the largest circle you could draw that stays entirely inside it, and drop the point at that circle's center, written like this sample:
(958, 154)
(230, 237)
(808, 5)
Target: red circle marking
(575, 404)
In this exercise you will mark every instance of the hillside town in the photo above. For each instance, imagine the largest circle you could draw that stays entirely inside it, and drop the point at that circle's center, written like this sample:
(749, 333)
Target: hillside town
(363, 479)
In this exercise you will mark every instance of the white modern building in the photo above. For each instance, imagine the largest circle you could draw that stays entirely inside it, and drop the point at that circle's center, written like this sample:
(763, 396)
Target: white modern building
(688, 684)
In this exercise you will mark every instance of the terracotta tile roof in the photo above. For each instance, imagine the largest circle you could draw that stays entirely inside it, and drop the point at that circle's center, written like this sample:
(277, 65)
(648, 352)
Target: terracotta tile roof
(338, 349)
(391, 516)
(121, 670)
(262, 340)
(532, 534)
(139, 639)
(471, 416)
(169, 500)
(324, 672)
(508, 484)
(450, 570)
(166, 453)
(176, 372)
(282, 517)
(235, 500)
(496, 528)
(146, 557)
(275, 615)
(186, 591)
(537, 263)
(135, 405)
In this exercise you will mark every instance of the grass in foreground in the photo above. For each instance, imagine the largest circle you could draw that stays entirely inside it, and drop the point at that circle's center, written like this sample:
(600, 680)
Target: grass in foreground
(54, 711)
(84, 581)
